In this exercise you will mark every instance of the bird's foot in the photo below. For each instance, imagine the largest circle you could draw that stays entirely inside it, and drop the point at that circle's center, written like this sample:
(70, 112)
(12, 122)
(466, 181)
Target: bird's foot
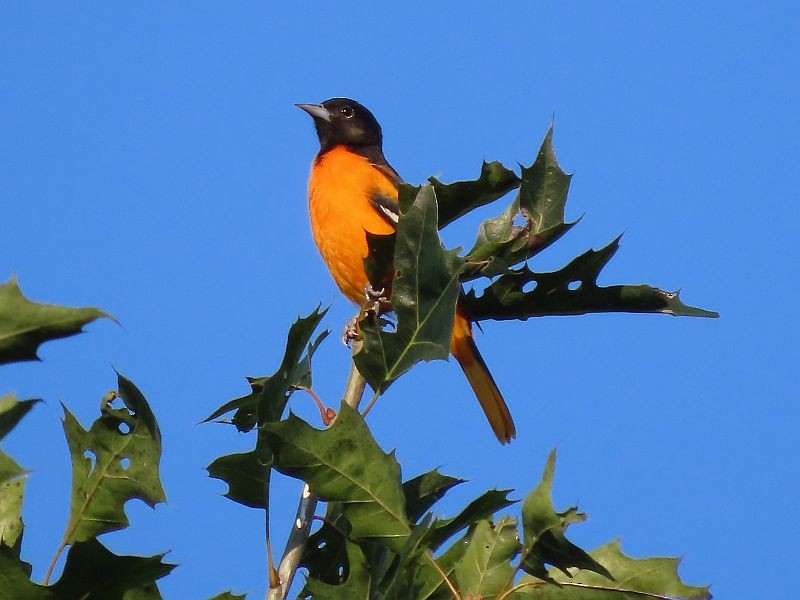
(351, 331)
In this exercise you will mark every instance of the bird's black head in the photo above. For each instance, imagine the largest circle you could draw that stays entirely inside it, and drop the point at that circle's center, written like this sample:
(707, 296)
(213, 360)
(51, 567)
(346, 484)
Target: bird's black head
(341, 121)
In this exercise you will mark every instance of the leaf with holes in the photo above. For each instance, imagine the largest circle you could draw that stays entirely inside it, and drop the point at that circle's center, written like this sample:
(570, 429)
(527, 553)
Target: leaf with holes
(485, 570)
(269, 395)
(345, 464)
(634, 578)
(114, 461)
(541, 199)
(572, 290)
(24, 325)
(544, 528)
(424, 294)
(356, 579)
(93, 571)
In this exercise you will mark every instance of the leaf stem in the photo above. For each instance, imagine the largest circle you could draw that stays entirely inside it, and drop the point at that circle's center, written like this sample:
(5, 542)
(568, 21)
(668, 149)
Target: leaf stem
(301, 527)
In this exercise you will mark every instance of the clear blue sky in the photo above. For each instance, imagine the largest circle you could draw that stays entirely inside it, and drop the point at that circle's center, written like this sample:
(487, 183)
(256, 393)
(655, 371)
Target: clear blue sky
(152, 163)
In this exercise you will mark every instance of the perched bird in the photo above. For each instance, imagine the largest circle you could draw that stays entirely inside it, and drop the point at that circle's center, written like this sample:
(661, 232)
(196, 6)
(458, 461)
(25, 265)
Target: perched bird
(353, 190)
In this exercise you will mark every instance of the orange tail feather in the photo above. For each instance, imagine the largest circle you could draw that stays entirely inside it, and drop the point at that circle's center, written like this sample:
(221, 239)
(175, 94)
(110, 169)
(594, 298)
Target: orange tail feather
(462, 346)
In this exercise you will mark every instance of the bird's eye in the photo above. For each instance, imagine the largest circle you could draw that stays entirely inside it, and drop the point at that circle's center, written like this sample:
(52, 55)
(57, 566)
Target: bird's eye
(347, 112)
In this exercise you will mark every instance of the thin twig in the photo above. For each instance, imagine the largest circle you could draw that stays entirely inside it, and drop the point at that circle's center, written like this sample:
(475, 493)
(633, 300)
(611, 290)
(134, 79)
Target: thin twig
(301, 527)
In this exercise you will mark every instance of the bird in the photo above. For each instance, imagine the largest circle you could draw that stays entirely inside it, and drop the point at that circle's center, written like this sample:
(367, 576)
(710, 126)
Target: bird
(352, 190)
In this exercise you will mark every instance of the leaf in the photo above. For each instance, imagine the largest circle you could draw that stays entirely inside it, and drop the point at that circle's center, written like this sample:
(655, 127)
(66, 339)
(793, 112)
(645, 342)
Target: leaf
(482, 507)
(431, 584)
(269, 395)
(228, 596)
(425, 289)
(485, 570)
(425, 490)
(325, 552)
(15, 583)
(356, 579)
(458, 198)
(11, 494)
(572, 290)
(543, 528)
(247, 476)
(403, 580)
(541, 199)
(12, 411)
(125, 449)
(24, 325)
(344, 464)
(635, 579)
(92, 571)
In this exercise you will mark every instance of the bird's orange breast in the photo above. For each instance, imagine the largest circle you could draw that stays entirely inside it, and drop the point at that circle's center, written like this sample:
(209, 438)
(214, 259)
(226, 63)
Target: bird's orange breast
(339, 192)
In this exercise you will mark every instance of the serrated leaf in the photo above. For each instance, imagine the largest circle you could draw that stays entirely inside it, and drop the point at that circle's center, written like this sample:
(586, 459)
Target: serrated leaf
(345, 464)
(482, 507)
(325, 552)
(125, 449)
(11, 494)
(485, 570)
(403, 579)
(425, 490)
(544, 528)
(247, 476)
(12, 411)
(269, 395)
(541, 200)
(425, 289)
(572, 290)
(432, 585)
(635, 579)
(92, 571)
(356, 579)
(25, 325)
(15, 583)
(458, 198)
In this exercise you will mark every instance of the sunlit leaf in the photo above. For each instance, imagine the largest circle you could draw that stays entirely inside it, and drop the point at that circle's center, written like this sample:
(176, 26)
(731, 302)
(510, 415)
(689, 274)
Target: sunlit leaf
(344, 464)
(114, 461)
(544, 528)
(24, 325)
(424, 293)
(11, 494)
(485, 570)
(634, 579)
(573, 290)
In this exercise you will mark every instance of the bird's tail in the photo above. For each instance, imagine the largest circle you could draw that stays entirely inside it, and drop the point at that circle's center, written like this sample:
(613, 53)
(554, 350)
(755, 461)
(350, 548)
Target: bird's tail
(462, 346)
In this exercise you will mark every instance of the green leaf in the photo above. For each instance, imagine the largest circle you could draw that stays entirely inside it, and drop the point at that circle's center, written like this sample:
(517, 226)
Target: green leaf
(556, 293)
(247, 476)
(269, 395)
(325, 552)
(114, 461)
(482, 507)
(425, 490)
(345, 464)
(458, 198)
(228, 596)
(485, 570)
(543, 528)
(541, 200)
(356, 579)
(11, 494)
(15, 583)
(12, 411)
(425, 289)
(24, 325)
(431, 584)
(403, 580)
(92, 571)
(635, 579)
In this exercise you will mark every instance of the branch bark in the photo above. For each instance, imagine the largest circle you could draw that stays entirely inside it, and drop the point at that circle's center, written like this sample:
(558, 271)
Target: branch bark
(301, 527)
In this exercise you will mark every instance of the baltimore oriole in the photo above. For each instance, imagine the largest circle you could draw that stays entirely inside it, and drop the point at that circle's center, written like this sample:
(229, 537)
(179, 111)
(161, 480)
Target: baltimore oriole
(353, 190)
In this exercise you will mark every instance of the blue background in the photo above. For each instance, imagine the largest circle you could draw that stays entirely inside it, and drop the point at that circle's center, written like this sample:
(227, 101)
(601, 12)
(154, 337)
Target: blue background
(152, 163)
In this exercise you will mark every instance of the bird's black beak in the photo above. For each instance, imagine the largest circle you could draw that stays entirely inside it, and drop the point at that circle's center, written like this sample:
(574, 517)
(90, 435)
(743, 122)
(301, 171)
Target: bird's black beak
(317, 111)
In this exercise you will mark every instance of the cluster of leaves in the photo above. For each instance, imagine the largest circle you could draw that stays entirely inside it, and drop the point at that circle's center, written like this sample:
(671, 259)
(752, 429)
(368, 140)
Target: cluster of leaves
(428, 278)
(380, 538)
(113, 461)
